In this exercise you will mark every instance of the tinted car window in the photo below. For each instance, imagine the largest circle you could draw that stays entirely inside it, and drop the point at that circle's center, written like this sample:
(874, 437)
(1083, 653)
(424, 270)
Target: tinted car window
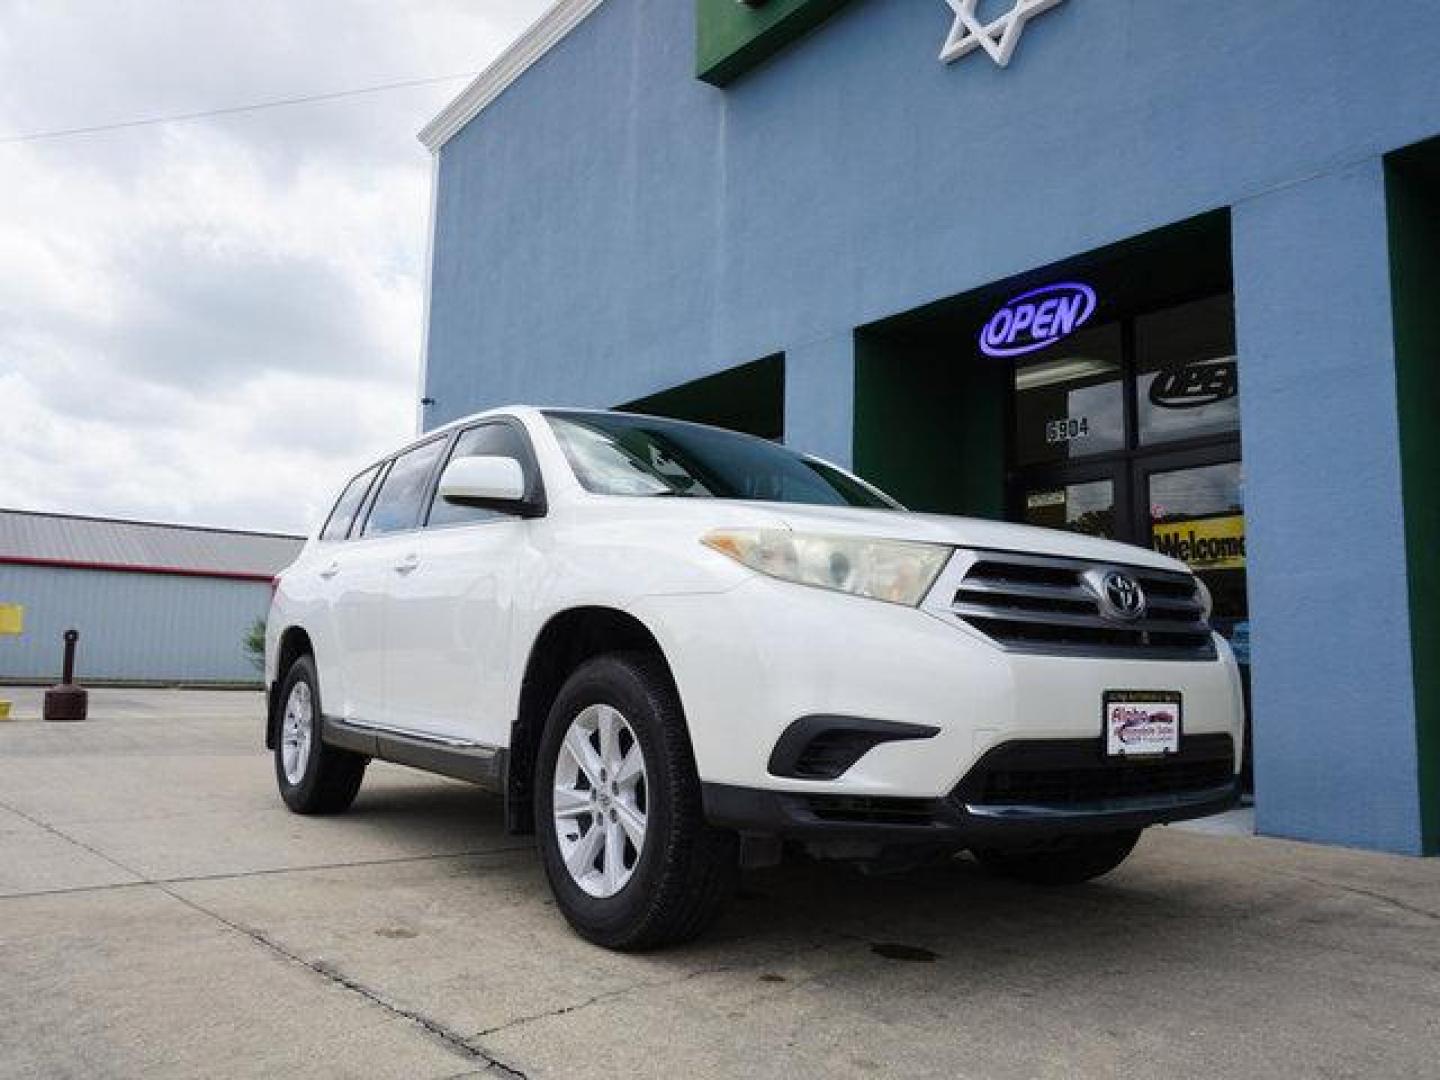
(402, 493)
(487, 440)
(338, 525)
(615, 454)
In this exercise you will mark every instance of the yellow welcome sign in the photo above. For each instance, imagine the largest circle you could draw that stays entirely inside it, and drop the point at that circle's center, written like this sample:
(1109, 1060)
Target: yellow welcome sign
(1216, 543)
(12, 622)
(12, 619)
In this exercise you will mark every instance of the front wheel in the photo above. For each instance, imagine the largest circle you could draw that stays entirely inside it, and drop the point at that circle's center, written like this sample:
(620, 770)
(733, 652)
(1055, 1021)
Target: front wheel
(630, 859)
(1069, 860)
(313, 778)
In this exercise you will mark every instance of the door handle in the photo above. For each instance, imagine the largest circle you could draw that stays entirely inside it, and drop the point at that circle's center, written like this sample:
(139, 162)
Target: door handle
(330, 571)
(407, 564)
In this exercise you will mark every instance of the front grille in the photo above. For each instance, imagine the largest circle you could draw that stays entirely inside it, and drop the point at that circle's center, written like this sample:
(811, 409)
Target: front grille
(1069, 772)
(1031, 603)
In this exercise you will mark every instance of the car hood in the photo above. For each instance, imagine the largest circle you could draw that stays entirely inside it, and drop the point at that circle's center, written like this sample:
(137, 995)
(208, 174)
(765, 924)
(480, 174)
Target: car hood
(962, 532)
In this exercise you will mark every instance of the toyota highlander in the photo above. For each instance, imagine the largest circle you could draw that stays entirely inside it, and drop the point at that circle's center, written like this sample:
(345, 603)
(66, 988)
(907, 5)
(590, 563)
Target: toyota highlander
(675, 651)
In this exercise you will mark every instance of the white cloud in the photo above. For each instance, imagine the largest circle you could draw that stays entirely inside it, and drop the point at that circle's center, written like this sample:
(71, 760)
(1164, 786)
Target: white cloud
(215, 321)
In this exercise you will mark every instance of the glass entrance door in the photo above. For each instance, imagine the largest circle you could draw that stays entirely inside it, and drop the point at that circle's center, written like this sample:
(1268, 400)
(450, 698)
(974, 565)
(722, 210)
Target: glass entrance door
(1195, 506)
(1131, 431)
(1197, 515)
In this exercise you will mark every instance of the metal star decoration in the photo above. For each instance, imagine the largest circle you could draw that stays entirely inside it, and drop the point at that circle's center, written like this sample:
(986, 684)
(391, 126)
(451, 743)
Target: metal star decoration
(999, 38)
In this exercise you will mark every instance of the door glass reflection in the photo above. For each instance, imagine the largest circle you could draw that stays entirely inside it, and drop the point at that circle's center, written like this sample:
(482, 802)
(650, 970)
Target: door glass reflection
(1188, 372)
(1070, 403)
(1087, 508)
(1198, 516)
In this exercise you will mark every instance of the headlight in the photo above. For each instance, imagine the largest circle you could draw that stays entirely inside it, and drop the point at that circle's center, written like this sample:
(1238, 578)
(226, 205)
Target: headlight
(1207, 602)
(898, 571)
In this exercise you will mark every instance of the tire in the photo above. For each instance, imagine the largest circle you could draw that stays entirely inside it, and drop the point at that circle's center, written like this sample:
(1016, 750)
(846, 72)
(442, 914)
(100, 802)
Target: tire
(329, 778)
(677, 882)
(1069, 860)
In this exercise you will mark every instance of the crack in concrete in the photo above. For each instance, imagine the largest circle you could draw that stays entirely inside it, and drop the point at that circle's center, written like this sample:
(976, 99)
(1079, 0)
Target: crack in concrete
(452, 1040)
(242, 875)
(608, 995)
(832, 938)
(1356, 890)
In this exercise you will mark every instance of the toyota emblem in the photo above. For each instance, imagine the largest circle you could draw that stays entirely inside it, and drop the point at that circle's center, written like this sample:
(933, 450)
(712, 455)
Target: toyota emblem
(1120, 596)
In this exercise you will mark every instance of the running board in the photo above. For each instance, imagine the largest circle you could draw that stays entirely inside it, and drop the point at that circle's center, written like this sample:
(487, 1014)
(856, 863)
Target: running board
(473, 762)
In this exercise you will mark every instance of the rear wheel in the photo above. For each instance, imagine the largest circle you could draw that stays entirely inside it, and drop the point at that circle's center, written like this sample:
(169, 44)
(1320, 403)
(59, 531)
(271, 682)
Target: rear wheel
(1069, 860)
(314, 778)
(630, 859)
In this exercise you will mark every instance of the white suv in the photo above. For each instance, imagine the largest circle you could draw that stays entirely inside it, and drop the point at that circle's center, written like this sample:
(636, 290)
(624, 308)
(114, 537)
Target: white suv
(676, 650)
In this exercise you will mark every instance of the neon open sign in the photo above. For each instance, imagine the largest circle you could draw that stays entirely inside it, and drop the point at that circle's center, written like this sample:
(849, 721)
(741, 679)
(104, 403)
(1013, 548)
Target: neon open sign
(1037, 319)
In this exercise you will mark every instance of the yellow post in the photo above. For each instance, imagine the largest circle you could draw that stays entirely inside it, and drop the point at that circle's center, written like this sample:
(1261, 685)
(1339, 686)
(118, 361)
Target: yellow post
(12, 624)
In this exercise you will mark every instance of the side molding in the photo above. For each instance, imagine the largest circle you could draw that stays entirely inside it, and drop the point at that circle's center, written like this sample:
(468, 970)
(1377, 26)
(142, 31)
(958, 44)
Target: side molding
(474, 763)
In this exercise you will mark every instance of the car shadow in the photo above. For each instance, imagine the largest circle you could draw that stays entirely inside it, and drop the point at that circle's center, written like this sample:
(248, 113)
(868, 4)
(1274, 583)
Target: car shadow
(1143, 914)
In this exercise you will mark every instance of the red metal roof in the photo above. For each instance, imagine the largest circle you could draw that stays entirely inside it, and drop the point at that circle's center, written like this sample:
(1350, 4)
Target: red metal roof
(30, 538)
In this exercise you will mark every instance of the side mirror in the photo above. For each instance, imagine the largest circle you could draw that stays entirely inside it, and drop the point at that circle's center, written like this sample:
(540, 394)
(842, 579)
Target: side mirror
(494, 483)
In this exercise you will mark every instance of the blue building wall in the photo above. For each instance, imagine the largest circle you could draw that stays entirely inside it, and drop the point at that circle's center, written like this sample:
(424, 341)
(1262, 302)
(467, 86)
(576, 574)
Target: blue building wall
(1335, 752)
(133, 627)
(610, 227)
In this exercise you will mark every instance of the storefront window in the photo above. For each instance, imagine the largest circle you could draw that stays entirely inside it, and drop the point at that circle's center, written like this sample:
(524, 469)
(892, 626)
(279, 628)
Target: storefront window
(1198, 516)
(1188, 374)
(1087, 508)
(1071, 403)
(1131, 431)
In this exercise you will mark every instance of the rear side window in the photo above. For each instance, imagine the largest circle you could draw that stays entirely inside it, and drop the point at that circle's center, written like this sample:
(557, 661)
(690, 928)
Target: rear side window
(338, 525)
(487, 440)
(403, 491)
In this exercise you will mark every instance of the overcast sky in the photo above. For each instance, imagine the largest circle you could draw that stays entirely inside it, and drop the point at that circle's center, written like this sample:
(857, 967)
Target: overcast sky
(215, 321)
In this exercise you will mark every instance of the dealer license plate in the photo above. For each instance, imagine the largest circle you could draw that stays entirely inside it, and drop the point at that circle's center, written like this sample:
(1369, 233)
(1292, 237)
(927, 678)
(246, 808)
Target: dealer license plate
(1142, 723)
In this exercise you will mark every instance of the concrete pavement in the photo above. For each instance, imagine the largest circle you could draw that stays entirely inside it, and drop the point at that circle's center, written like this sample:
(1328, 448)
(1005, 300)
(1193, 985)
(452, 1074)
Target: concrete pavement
(161, 914)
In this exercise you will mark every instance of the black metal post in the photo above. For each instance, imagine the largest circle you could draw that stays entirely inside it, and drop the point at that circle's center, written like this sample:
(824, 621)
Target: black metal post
(67, 701)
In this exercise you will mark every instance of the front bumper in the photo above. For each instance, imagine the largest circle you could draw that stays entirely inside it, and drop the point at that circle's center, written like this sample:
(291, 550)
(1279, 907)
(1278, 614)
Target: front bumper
(751, 662)
(1018, 793)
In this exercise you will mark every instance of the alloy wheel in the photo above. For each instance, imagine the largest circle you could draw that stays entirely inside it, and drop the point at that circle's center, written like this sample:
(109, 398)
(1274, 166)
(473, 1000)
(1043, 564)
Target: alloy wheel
(600, 801)
(297, 732)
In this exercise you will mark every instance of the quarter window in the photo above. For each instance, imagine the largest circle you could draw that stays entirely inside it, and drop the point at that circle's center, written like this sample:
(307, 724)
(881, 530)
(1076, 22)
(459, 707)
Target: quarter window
(402, 493)
(337, 527)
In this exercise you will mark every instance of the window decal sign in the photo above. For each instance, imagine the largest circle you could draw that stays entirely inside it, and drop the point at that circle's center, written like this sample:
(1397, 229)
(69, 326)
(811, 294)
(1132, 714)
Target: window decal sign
(1038, 319)
(1214, 543)
(1198, 383)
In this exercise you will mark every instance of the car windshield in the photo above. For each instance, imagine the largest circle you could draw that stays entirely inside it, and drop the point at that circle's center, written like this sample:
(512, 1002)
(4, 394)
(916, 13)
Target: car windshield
(620, 454)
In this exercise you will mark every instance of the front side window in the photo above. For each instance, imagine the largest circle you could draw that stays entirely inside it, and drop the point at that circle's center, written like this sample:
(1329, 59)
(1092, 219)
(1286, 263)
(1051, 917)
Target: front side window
(337, 527)
(614, 454)
(402, 493)
(487, 440)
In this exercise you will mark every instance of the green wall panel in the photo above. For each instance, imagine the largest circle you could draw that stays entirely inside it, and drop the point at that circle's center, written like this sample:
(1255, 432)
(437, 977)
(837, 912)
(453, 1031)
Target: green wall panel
(1413, 196)
(930, 427)
(748, 398)
(732, 37)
